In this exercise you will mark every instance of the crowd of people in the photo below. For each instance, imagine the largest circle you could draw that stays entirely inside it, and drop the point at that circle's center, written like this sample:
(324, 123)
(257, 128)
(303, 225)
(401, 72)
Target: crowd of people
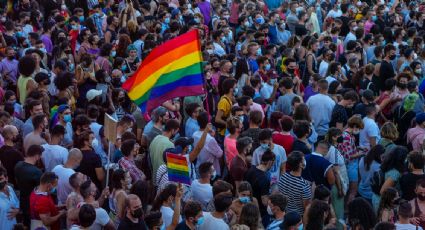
(313, 116)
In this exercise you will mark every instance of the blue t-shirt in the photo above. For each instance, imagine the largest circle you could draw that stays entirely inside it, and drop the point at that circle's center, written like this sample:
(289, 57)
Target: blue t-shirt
(316, 169)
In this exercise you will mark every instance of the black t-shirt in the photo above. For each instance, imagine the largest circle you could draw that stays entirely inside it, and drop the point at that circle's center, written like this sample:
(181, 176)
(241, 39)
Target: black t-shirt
(386, 72)
(27, 178)
(339, 114)
(9, 157)
(88, 166)
(127, 224)
(408, 185)
(344, 28)
(260, 185)
(300, 146)
(182, 226)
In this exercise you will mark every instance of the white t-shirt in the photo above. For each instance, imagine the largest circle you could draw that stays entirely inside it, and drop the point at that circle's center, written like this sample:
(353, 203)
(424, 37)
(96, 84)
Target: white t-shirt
(399, 226)
(64, 188)
(323, 68)
(212, 223)
(53, 155)
(370, 129)
(167, 215)
(274, 172)
(202, 193)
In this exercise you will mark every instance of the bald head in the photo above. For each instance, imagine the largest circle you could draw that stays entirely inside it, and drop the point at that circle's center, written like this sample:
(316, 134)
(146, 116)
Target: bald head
(133, 202)
(9, 132)
(74, 158)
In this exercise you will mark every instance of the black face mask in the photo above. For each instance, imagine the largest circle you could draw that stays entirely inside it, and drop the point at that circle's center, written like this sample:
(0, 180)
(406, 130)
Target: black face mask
(340, 139)
(392, 57)
(402, 85)
(291, 71)
(420, 197)
(116, 82)
(10, 57)
(138, 213)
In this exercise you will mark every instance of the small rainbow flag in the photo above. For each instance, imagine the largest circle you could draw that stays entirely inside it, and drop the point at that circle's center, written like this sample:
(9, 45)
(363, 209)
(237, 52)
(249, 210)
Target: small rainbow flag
(171, 70)
(178, 169)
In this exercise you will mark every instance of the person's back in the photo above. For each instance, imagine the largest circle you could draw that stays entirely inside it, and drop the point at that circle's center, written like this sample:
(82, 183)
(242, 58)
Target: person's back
(213, 223)
(53, 155)
(317, 167)
(321, 106)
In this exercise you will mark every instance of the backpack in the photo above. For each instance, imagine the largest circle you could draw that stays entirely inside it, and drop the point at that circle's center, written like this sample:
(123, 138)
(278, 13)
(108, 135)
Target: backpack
(376, 181)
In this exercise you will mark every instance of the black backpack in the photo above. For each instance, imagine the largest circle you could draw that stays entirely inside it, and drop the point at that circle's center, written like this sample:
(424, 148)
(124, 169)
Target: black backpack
(377, 180)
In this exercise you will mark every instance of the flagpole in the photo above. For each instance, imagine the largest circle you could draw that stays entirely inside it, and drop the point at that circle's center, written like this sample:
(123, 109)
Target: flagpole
(108, 163)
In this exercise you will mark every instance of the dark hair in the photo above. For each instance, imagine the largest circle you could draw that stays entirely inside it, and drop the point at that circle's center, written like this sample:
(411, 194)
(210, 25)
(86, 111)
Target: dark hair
(3, 171)
(204, 169)
(301, 112)
(127, 147)
(85, 188)
(301, 128)
(374, 154)
(117, 176)
(360, 210)
(242, 143)
(417, 159)
(79, 140)
(203, 119)
(286, 123)
(86, 215)
(48, 177)
(294, 160)
(385, 226)
(26, 65)
(274, 123)
(321, 192)
(265, 134)
(169, 190)
(192, 209)
(267, 156)
(191, 108)
(405, 209)
(141, 189)
(220, 186)
(395, 159)
(37, 120)
(249, 216)
(255, 117)
(228, 84)
(171, 124)
(63, 80)
(287, 83)
(153, 219)
(387, 200)
(316, 215)
(279, 200)
(73, 180)
(222, 202)
(57, 130)
(34, 150)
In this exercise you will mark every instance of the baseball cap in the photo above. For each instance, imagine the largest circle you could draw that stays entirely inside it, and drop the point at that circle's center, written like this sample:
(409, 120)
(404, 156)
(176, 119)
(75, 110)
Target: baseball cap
(91, 94)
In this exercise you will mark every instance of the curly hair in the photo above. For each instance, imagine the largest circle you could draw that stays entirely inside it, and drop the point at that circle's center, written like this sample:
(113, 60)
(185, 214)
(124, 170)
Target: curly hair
(360, 211)
(387, 200)
(250, 215)
(316, 214)
(123, 42)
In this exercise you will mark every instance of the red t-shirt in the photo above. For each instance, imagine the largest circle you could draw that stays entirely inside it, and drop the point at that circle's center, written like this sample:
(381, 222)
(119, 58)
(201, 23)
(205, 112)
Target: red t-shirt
(42, 203)
(285, 141)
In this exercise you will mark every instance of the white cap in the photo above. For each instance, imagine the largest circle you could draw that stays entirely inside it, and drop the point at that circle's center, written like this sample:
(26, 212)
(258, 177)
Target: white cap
(91, 94)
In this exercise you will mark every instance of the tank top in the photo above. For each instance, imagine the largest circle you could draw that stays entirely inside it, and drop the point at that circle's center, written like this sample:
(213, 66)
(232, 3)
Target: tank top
(22, 86)
(418, 213)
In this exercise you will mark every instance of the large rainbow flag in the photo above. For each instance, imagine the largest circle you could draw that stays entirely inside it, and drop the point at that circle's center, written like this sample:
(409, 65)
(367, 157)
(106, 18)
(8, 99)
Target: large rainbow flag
(178, 169)
(171, 70)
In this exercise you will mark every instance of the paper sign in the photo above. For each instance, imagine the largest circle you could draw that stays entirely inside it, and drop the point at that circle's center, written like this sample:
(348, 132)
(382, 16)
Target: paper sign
(178, 169)
(110, 128)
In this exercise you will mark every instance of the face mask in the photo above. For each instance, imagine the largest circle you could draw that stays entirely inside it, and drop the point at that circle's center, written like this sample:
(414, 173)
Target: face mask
(124, 68)
(340, 139)
(420, 197)
(241, 119)
(283, 26)
(81, 18)
(67, 118)
(167, 20)
(180, 18)
(200, 221)
(108, 79)
(138, 213)
(265, 146)
(10, 57)
(113, 53)
(235, 91)
(304, 163)
(267, 67)
(244, 199)
(374, 18)
(259, 52)
(246, 24)
(3, 19)
(418, 71)
(259, 20)
(392, 57)
(269, 211)
(402, 85)
(197, 20)
(226, 17)
(3, 184)
(415, 56)
(223, 39)
(210, 51)
(74, 27)
(214, 175)
(19, 34)
(356, 132)
(53, 190)
(273, 81)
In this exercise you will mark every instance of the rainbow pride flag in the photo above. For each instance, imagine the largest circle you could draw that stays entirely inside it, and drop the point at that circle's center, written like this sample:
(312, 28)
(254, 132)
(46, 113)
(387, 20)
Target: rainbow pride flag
(171, 70)
(178, 169)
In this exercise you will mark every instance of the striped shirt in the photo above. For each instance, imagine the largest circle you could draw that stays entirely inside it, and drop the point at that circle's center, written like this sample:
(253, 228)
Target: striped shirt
(297, 190)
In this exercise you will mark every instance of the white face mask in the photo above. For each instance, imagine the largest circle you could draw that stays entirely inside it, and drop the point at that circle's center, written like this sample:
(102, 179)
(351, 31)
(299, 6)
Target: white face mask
(269, 210)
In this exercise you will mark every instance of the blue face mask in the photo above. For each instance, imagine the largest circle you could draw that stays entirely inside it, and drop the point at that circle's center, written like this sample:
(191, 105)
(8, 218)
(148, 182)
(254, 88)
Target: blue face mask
(265, 146)
(71, 67)
(197, 20)
(267, 67)
(113, 53)
(259, 52)
(374, 18)
(223, 39)
(259, 20)
(53, 190)
(67, 118)
(19, 34)
(273, 81)
(81, 18)
(75, 27)
(200, 221)
(214, 175)
(244, 199)
(124, 68)
(167, 20)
